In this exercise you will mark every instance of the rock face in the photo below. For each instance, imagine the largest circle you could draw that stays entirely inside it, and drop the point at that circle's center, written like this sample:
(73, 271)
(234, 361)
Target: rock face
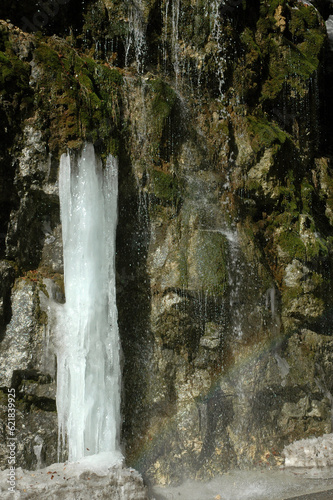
(28, 366)
(217, 113)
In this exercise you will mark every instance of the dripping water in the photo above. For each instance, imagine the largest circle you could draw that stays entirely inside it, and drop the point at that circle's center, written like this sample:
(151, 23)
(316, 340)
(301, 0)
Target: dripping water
(136, 37)
(175, 38)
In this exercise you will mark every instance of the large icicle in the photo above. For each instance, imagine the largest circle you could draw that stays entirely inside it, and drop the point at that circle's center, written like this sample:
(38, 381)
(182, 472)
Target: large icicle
(88, 373)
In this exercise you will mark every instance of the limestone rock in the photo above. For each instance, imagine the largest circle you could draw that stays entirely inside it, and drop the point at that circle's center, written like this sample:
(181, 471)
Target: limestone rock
(18, 349)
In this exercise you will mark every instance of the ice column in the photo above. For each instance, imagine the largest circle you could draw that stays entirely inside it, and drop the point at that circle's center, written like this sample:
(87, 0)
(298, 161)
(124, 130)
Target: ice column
(88, 367)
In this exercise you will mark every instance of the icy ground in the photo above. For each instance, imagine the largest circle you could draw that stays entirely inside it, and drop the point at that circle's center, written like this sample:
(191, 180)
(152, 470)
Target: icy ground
(92, 478)
(84, 482)
(275, 484)
(316, 452)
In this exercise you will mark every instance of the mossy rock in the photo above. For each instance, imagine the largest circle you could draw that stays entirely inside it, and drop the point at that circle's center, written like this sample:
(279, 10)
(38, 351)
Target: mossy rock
(263, 133)
(281, 55)
(292, 245)
(14, 74)
(195, 22)
(15, 93)
(166, 187)
(289, 68)
(268, 8)
(293, 62)
(79, 97)
(206, 266)
(163, 101)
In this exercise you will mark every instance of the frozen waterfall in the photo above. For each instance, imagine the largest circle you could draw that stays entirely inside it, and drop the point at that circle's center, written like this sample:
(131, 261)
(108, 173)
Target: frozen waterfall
(88, 364)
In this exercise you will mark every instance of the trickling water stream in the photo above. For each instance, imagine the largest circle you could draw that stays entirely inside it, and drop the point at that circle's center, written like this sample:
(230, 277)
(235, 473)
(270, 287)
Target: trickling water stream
(136, 36)
(88, 372)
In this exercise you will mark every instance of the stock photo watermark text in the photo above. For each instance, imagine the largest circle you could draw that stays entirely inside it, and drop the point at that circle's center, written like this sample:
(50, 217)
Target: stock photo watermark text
(11, 441)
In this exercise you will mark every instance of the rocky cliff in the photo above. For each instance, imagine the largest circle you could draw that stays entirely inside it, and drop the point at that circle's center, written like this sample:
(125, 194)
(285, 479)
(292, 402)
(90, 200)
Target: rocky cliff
(219, 113)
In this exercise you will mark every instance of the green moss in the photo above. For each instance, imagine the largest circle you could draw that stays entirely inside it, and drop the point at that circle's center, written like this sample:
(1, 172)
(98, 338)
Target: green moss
(291, 294)
(264, 133)
(308, 14)
(314, 41)
(14, 74)
(247, 39)
(113, 146)
(291, 243)
(166, 187)
(43, 289)
(49, 59)
(296, 24)
(290, 202)
(297, 64)
(303, 20)
(287, 220)
(294, 228)
(271, 62)
(247, 74)
(288, 66)
(282, 61)
(164, 98)
(317, 247)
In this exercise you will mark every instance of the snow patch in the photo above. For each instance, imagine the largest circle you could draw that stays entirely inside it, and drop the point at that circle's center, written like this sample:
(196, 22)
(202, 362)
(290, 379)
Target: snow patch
(312, 452)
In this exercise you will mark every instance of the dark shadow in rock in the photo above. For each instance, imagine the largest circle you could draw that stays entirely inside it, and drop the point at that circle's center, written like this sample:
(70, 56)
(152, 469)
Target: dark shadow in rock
(26, 233)
(214, 407)
(7, 277)
(133, 303)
